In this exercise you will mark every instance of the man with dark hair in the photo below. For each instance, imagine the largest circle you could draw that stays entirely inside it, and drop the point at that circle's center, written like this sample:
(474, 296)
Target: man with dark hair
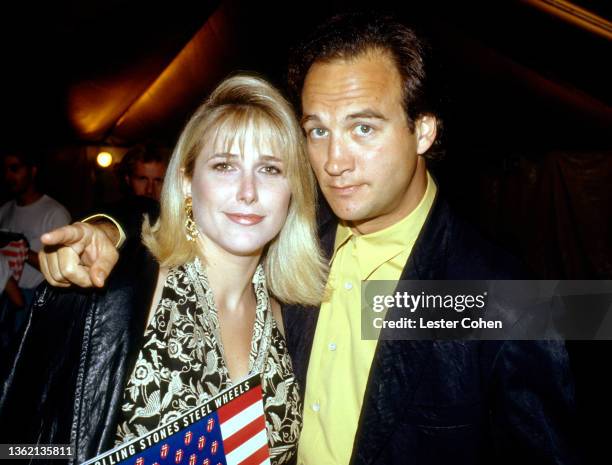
(143, 168)
(370, 122)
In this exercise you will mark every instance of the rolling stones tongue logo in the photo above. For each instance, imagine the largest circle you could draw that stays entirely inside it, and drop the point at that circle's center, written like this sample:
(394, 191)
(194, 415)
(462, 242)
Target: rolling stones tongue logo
(210, 425)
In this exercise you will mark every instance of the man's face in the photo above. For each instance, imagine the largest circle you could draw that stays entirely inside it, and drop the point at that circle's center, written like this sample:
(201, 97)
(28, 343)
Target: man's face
(17, 175)
(361, 148)
(147, 179)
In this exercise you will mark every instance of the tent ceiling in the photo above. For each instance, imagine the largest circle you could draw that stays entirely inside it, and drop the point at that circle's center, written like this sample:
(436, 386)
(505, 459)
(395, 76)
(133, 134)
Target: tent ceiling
(122, 72)
(140, 100)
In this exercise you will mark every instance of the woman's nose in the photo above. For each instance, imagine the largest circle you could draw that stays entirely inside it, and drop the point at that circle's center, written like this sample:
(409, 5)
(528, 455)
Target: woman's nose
(247, 191)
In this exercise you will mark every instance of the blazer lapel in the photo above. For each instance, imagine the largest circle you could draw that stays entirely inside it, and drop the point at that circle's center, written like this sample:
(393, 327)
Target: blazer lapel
(398, 364)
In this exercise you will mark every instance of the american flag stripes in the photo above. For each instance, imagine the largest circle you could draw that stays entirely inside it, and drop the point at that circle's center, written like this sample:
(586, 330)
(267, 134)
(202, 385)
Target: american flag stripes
(243, 428)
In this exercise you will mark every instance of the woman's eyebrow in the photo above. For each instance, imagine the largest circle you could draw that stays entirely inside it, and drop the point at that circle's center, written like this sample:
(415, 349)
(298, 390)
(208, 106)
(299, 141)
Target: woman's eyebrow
(271, 158)
(224, 155)
(233, 156)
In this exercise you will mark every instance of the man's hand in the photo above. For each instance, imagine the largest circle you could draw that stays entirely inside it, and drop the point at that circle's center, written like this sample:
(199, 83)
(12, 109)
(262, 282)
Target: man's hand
(81, 253)
(11, 289)
(33, 259)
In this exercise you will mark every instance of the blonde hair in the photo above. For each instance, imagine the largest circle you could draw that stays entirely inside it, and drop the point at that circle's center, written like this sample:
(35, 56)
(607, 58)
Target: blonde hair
(295, 269)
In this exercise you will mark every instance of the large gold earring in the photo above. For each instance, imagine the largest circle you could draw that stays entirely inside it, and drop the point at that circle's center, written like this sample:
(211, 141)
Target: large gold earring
(191, 229)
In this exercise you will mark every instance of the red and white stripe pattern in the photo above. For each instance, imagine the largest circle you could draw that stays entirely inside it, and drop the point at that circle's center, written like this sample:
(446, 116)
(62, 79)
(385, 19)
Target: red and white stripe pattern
(243, 428)
(17, 253)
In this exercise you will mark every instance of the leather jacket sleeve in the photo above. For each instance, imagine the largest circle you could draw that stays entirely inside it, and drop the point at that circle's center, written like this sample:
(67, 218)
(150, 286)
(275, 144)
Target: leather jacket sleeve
(38, 392)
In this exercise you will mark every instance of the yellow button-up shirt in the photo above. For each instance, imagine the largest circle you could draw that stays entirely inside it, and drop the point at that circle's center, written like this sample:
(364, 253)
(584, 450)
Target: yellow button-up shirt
(340, 360)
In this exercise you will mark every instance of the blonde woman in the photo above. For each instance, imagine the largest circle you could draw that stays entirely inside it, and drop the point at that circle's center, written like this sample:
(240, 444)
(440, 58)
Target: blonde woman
(196, 309)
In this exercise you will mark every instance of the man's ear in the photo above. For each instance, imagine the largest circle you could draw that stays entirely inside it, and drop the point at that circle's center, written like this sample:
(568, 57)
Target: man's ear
(425, 130)
(186, 184)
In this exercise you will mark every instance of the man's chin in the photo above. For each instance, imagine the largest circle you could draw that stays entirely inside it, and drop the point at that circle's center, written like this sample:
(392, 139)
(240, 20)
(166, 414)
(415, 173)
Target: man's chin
(348, 213)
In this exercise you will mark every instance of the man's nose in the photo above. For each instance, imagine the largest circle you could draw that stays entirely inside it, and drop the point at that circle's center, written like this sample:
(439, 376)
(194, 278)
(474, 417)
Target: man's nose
(339, 159)
(247, 191)
(149, 189)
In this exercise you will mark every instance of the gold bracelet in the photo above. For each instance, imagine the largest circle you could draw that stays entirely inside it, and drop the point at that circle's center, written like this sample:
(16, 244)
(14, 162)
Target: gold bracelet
(97, 216)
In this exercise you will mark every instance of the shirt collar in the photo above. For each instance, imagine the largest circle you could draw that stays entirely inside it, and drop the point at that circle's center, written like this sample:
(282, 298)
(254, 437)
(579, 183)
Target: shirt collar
(374, 249)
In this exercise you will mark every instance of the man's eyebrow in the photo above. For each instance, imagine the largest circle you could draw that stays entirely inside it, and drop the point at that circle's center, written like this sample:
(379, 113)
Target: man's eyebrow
(367, 114)
(306, 118)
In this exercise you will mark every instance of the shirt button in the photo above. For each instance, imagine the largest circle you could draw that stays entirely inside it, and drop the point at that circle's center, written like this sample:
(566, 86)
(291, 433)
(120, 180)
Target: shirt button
(348, 286)
(316, 407)
(332, 346)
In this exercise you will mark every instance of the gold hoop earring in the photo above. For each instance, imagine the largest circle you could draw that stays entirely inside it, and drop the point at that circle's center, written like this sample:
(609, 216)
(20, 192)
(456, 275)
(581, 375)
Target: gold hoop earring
(191, 229)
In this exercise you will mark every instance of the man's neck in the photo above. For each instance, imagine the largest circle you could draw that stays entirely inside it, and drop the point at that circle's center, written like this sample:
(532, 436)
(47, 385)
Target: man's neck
(28, 197)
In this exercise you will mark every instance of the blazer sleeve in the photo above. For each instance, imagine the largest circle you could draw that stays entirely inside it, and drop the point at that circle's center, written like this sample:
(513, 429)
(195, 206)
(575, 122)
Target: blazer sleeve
(532, 404)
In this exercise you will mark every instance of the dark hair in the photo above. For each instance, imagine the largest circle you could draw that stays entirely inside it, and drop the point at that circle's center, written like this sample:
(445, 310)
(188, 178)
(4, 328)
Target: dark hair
(349, 36)
(143, 154)
(26, 156)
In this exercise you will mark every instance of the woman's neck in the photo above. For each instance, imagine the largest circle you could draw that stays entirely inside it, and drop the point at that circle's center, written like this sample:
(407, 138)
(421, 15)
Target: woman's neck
(230, 277)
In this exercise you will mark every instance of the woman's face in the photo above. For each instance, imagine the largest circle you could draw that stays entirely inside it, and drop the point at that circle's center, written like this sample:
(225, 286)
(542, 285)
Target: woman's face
(240, 199)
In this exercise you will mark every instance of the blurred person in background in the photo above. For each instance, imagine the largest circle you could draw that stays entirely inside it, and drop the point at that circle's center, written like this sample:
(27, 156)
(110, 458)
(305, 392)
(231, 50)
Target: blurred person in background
(23, 219)
(141, 172)
(143, 168)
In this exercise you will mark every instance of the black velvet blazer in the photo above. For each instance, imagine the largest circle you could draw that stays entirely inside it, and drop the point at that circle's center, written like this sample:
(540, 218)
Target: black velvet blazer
(454, 402)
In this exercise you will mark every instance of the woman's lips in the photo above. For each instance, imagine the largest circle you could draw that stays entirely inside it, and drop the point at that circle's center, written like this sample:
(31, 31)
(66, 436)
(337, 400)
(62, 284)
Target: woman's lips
(245, 219)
